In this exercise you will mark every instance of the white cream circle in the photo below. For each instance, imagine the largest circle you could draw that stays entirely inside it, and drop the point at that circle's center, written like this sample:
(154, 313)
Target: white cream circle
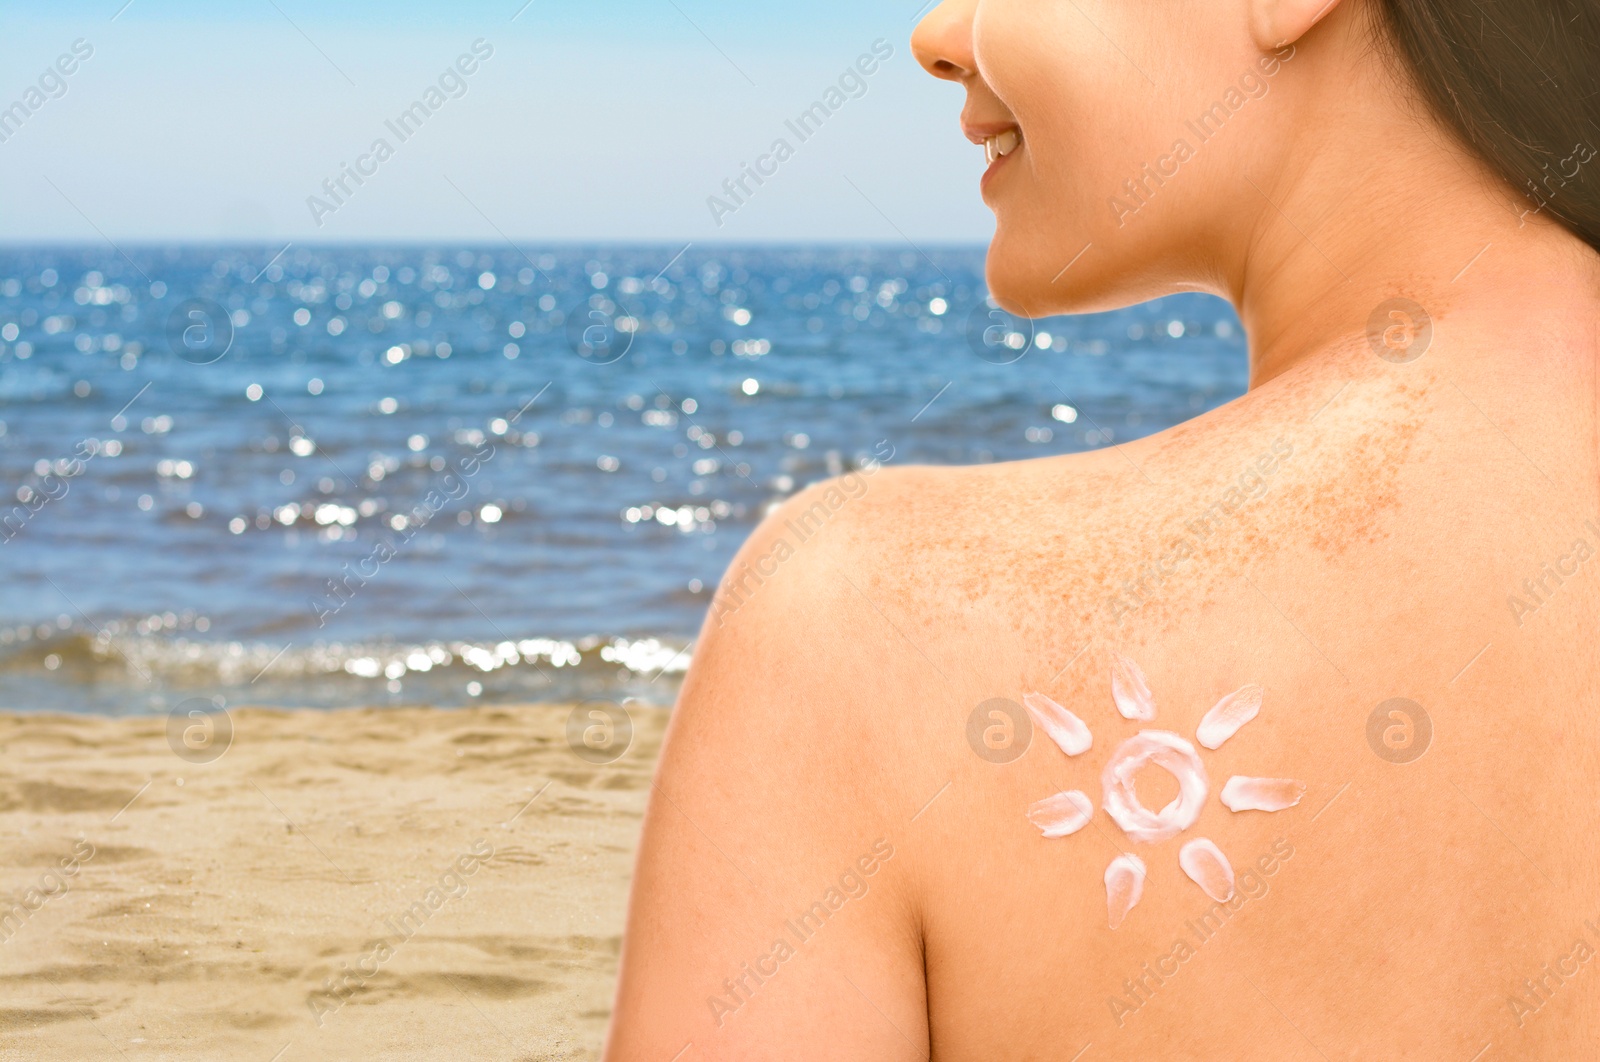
(1175, 755)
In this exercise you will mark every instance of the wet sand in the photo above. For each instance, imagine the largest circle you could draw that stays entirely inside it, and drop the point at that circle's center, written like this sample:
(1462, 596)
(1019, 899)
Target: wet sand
(361, 884)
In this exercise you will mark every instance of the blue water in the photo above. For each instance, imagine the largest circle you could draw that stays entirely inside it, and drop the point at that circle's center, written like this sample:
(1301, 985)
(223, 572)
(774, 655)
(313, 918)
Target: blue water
(522, 469)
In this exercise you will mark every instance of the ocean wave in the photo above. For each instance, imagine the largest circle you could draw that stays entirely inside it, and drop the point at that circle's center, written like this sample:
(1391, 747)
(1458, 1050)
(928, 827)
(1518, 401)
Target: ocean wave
(132, 669)
(386, 475)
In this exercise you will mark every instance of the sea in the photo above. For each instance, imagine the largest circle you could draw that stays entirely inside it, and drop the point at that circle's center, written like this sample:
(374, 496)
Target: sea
(371, 476)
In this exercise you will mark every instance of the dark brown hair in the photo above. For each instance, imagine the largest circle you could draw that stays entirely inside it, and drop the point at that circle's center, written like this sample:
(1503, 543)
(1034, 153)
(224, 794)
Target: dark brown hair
(1519, 82)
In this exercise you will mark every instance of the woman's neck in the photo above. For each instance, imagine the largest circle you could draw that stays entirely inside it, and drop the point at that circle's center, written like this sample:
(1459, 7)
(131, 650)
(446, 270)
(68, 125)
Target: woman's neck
(1376, 203)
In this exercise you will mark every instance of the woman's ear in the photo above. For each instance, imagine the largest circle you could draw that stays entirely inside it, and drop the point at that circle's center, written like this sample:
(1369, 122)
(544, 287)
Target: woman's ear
(1277, 23)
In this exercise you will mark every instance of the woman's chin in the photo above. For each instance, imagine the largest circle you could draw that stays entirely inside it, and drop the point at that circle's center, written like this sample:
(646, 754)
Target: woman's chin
(1019, 276)
(1035, 277)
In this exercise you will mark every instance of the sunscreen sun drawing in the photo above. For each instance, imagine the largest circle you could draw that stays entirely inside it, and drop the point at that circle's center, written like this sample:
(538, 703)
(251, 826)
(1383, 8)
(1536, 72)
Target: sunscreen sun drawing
(1066, 813)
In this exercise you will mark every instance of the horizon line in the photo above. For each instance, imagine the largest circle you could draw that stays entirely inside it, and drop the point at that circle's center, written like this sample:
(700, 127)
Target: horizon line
(7, 243)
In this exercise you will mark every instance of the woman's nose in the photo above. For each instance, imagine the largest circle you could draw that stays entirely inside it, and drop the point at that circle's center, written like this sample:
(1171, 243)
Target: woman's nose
(942, 42)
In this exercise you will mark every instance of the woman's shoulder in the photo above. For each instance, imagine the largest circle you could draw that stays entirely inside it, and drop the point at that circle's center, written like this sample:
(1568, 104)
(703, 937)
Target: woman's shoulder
(909, 515)
(943, 542)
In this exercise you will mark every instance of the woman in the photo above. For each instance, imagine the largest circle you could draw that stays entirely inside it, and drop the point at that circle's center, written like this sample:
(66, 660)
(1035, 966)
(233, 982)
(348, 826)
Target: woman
(1357, 605)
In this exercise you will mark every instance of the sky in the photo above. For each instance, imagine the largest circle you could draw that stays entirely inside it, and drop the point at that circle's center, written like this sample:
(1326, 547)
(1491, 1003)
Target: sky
(600, 120)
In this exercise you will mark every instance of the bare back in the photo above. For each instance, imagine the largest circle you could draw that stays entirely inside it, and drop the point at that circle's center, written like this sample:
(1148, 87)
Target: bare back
(840, 850)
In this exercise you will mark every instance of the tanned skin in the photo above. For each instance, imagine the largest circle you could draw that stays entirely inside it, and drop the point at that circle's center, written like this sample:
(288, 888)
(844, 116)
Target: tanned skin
(1393, 511)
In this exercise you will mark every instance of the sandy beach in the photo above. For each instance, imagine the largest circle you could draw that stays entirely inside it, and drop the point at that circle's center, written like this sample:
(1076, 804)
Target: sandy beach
(385, 884)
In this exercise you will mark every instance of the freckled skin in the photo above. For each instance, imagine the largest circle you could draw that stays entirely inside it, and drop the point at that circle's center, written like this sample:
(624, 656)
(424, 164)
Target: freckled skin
(1353, 533)
(829, 709)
